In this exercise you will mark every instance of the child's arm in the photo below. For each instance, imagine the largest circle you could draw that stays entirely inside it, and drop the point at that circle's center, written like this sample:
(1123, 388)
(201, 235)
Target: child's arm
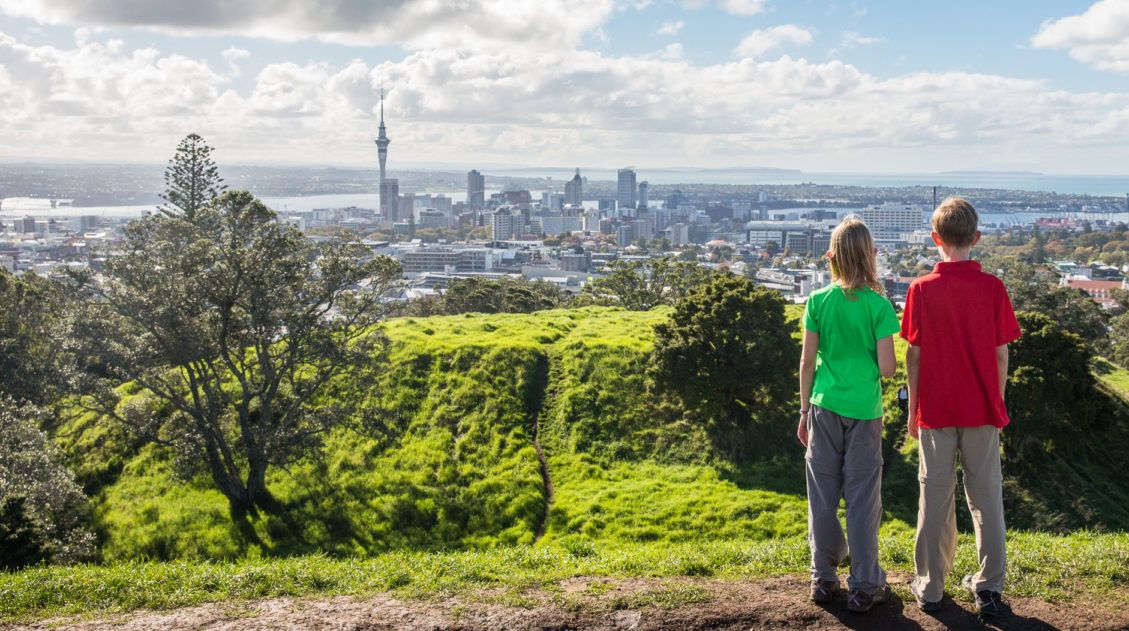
(887, 361)
(913, 364)
(1001, 367)
(807, 376)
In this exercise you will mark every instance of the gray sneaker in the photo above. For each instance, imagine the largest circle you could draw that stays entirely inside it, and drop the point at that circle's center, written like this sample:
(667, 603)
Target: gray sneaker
(928, 606)
(822, 592)
(989, 604)
(860, 601)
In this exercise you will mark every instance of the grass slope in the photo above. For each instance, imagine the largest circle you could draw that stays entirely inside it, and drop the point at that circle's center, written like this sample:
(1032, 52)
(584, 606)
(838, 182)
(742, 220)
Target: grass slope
(455, 467)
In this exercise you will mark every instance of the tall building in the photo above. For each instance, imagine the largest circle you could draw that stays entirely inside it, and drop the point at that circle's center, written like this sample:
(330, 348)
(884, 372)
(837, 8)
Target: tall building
(390, 199)
(502, 224)
(574, 190)
(382, 140)
(643, 198)
(627, 189)
(475, 190)
(890, 221)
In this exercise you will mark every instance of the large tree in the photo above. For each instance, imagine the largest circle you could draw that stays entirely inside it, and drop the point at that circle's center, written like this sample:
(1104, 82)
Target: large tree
(234, 323)
(641, 285)
(728, 354)
(192, 179)
(31, 311)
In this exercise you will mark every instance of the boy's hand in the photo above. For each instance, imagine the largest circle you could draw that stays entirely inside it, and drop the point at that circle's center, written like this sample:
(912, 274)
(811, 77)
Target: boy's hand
(912, 429)
(802, 430)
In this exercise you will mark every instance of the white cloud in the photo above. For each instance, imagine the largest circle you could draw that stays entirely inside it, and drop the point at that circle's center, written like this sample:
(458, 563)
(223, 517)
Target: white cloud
(233, 56)
(852, 39)
(1099, 36)
(411, 23)
(762, 41)
(101, 99)
(670, 28)
(742, 7)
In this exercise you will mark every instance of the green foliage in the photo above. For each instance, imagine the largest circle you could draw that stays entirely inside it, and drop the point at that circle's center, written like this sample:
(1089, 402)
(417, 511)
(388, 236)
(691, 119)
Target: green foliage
(192, 179)
(22, 540)
(1119, 338)
(31, 309)
(642, 285)
(727, 353)
(484, 295)
(1050, 391)
(233, 321)
(44, 512)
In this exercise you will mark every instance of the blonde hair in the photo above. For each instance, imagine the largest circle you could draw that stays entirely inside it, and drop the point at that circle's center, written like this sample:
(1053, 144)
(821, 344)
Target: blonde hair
(853, 264)
(955, 221)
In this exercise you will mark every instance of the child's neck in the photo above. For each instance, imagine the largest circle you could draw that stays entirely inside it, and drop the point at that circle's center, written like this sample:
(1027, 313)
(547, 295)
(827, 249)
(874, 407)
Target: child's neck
(953, 255)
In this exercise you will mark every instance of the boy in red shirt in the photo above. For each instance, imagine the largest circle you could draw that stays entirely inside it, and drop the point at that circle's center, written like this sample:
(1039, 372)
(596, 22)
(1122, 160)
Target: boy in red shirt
(958, 321)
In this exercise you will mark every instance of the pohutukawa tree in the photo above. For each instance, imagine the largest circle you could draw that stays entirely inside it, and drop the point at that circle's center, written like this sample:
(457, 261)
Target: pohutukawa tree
(235, 325)
(192, 179)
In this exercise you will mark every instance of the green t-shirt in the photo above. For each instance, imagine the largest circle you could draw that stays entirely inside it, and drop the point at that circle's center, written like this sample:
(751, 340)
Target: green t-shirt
(846, 364)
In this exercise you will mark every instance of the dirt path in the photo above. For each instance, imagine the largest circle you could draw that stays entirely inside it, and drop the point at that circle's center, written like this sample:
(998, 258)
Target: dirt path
(605, 605)
(543, 462)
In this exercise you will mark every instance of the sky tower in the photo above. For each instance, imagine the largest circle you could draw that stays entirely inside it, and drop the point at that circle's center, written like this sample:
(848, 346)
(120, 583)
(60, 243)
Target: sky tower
(382, 139)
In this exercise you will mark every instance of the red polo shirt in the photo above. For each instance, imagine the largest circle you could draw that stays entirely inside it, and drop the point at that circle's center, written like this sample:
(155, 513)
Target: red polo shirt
(958, 315)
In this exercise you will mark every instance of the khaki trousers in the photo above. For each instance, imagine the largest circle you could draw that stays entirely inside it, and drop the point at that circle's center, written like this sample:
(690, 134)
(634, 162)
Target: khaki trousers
(844, 461)
(936, 544)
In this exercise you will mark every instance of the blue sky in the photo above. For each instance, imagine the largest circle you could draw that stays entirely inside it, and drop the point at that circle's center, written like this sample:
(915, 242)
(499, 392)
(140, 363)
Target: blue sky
(845, 86)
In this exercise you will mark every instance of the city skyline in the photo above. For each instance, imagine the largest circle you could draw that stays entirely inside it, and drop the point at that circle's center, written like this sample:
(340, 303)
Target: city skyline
(862, 86)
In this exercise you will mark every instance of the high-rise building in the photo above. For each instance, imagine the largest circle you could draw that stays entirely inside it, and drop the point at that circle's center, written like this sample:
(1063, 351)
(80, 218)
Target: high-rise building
(390, 199)
(502, 224)
(475, 190)
(574, 190)
(679, 234)
(627, 190)
(643, 198)
(674, 200)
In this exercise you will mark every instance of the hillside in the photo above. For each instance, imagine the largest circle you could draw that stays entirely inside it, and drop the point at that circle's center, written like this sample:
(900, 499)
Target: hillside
(446, 454)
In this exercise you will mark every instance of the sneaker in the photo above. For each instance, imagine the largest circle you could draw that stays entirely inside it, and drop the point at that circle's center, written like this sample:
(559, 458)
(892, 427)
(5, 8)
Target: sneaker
(928, 606)
(988, 603)
(822, 592)
(860, 601)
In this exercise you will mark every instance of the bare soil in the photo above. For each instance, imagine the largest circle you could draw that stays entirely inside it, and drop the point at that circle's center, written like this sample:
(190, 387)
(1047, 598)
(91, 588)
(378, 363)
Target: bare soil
(606, 604)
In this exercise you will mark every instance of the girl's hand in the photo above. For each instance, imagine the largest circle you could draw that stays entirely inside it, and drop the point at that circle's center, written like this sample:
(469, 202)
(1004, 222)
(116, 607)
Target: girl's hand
(802, 429)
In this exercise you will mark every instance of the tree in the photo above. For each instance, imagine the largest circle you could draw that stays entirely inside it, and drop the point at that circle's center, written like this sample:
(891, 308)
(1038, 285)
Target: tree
(728, 354)
(43, 512)
(1050, 392)
(234, 323)
(192, 179)
(1119, 337)
(31, 311)
(642, 285)
(506, 295)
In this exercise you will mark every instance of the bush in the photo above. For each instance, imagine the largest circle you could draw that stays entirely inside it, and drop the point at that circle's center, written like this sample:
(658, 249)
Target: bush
(44, 510)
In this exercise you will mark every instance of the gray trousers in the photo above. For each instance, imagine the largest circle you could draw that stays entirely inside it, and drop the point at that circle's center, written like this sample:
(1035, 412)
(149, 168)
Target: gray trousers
(936, 545)
(844, 460)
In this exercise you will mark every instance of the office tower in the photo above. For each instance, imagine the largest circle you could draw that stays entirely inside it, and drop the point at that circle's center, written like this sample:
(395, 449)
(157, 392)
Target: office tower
(674, 200)
(390, 199)
(574, 190)
(627, 190)
(643, 188)
(890, 220)
(475, 190)
(679, 235)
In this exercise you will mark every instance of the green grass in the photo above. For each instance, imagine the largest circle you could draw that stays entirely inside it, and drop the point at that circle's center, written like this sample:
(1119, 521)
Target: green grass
(1039, 565)
(1112, 375)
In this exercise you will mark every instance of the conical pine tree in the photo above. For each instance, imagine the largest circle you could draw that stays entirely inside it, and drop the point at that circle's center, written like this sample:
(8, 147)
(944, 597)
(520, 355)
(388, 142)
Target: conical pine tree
(192, 179)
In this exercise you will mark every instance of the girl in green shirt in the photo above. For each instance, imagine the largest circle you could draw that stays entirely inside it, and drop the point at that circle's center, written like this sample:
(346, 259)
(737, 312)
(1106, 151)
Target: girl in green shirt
(848, 346)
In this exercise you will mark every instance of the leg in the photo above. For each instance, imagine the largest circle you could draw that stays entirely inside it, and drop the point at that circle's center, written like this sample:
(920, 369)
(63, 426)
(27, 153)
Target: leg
(825, 487)
(983, 487)
(862, 488)
(936, 542)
